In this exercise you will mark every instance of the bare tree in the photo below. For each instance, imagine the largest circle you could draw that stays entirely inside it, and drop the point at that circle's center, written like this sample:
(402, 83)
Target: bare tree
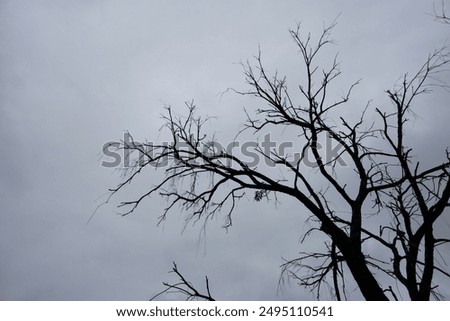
(388, 182)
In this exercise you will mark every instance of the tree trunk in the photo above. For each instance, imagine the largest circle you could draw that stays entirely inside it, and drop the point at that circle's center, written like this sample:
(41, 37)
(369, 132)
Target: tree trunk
(367, 283)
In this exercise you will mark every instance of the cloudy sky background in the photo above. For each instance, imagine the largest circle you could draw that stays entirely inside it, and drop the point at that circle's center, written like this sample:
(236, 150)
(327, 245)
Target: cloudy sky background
(77, 74)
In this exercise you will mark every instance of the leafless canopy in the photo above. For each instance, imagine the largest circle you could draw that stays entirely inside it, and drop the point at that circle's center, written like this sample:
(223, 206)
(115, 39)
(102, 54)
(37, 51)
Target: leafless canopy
(389, 182)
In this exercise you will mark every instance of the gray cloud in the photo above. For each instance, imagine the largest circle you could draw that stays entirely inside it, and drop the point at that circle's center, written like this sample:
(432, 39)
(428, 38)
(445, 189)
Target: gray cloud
(75, 75)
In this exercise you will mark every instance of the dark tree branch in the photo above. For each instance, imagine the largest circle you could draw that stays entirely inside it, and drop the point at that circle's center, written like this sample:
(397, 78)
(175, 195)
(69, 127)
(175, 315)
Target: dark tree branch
(184, 287)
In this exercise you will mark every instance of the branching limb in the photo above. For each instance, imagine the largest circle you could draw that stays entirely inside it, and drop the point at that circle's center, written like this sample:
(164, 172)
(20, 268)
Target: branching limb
(185, 287)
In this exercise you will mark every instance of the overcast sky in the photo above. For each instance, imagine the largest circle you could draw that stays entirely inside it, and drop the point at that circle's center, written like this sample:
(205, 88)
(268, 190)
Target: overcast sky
(77, 74)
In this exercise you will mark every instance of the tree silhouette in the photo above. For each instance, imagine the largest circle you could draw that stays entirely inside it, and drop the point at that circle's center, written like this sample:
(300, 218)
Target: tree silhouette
(386, 180)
